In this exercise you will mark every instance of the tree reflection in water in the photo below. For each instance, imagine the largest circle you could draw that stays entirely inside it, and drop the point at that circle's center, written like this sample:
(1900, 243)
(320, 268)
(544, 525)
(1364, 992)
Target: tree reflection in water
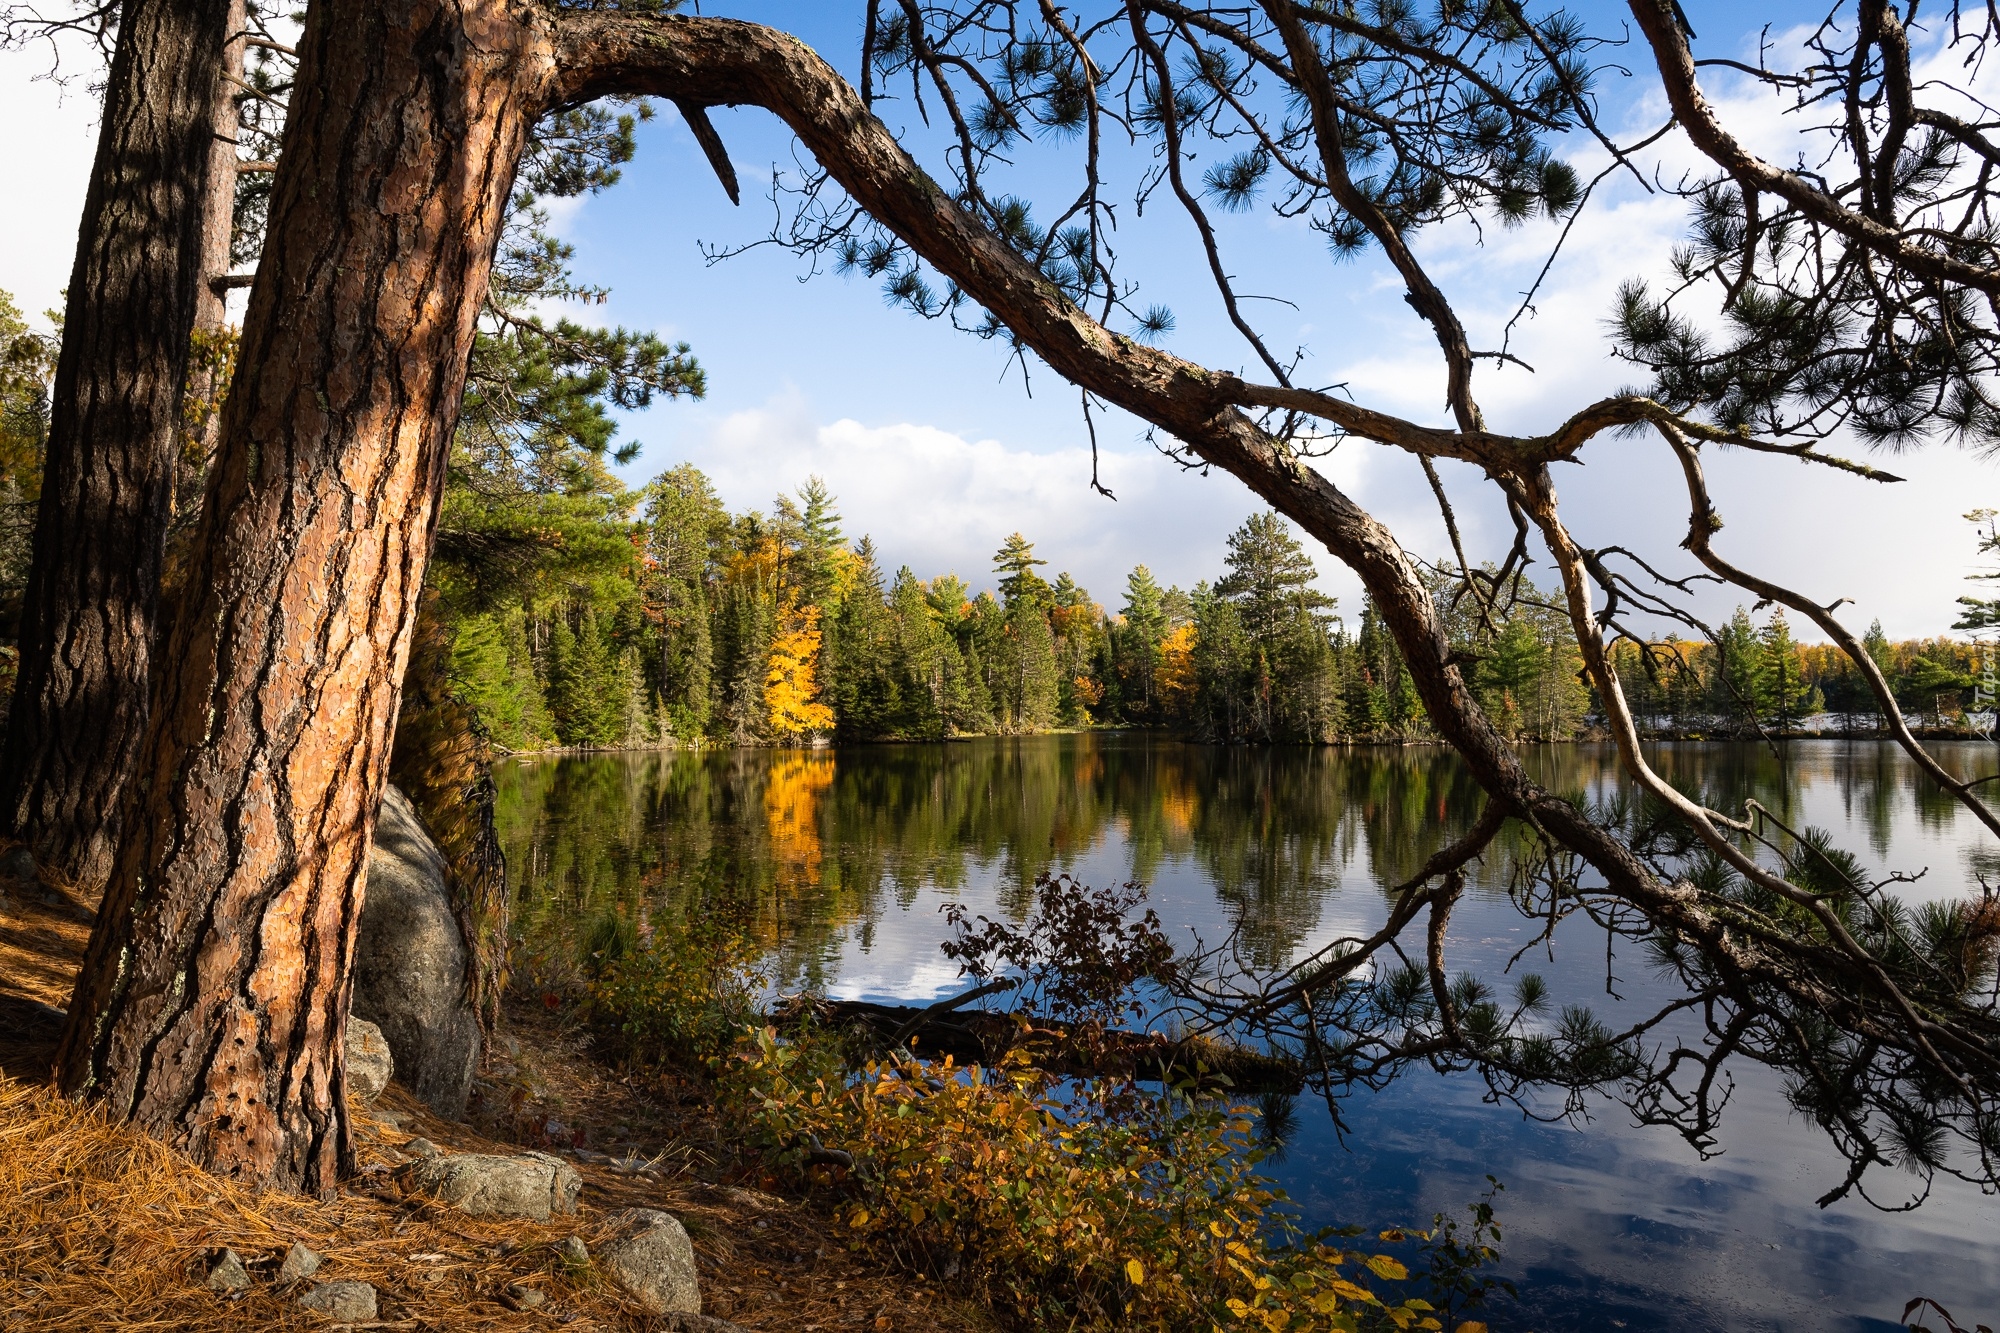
(819, 848)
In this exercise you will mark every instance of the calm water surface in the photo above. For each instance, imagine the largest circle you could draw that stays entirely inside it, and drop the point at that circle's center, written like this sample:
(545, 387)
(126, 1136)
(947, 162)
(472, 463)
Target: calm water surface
(847, 856)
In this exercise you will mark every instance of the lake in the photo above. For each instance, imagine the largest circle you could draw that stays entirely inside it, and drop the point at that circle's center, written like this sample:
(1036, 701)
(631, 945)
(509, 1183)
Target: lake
(848, 854)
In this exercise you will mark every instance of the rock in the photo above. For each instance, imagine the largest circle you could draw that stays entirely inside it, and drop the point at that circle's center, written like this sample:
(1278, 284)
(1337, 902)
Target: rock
(348, 1302)
(574, 1252)
(17, 862)
(421, 1147)
(370, 1065)
(300, 1263)
(650, 1256)
(519, 1297)
(531, 1185)
(228, 1274)
(411, 963)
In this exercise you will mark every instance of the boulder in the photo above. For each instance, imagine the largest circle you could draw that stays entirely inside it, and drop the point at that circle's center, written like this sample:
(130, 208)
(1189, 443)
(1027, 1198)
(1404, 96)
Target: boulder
(411, 963)
(649, 1255)
(370, 1065)
(17, 862)
(532, 1185)
(348, 1302)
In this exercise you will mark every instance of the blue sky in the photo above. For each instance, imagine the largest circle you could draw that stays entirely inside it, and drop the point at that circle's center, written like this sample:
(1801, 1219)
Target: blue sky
(936, 449)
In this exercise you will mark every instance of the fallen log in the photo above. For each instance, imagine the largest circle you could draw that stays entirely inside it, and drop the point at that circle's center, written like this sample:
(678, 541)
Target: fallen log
(984, 1038)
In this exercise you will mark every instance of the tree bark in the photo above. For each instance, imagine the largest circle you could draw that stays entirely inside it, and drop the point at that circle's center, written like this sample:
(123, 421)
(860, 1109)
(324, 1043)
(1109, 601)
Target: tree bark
(214, 994)
(218, 208)
(87, 617)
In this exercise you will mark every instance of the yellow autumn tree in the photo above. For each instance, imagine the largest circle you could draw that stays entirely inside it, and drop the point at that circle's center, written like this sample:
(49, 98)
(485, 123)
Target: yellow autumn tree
(789, 678)
(1174, 677)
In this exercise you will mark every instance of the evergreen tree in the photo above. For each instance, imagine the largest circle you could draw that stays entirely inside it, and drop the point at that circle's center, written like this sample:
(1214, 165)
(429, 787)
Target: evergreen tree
(1738, 687)
(819, 542)
(1136, 645)
(1015, 561)
(1786, 695)
(1035, 693)
(864, 691)
(1270, 577)
(928, 669)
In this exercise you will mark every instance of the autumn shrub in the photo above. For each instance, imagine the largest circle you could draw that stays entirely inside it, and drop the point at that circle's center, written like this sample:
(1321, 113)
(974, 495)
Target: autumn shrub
(680, 992)
(1085, 1205)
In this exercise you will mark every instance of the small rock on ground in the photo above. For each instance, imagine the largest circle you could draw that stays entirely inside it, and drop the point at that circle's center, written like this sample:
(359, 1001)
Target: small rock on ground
(421, 1148)
(227, 1273)
(650, 1256)
(531, 1185)
(519, 1297)
(300, 1262)
(349, 1302)
(573, 1251)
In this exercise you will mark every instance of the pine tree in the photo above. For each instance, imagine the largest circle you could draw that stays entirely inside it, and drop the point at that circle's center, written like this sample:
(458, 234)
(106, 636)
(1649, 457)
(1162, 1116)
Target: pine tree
(1786, 695)
(926, 658)
(1016, 561)
(1737, 683)
(1136, 644)
(1270, 577)
(863, 689)
(1036, 693)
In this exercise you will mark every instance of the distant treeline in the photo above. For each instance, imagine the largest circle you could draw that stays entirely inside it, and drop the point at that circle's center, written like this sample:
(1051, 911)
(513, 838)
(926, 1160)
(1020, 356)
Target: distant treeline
(582, 613)
(710, 627)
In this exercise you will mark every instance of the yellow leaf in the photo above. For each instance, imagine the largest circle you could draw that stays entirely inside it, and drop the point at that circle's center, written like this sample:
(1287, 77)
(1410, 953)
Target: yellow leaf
(1383, 1266)
(1135, 1272)
(860, 1218)
(1472, 1326)
(1348, 1289)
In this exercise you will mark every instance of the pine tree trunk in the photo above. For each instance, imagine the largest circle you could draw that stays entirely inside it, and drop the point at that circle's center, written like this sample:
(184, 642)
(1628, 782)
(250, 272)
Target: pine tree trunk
(87, 619)
(218, 206)
(215, 990)
(208, 369)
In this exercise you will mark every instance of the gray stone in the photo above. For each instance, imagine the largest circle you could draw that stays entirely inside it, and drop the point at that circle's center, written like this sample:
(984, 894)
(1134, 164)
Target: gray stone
(525, 1298)
(370, 1066)
(531, 1185)
(573, 1251)
(411, 963)
(421, 1147)
(348, 1302)
(227, 1273)
(649, 1255)
(300, 1263)
(17, 862)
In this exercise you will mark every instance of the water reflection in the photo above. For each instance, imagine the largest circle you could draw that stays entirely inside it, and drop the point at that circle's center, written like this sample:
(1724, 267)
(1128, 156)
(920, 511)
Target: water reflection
(845, 856)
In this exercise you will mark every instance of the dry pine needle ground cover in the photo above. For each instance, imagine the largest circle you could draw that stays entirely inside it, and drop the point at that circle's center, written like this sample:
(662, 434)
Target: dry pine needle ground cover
(102, 1228)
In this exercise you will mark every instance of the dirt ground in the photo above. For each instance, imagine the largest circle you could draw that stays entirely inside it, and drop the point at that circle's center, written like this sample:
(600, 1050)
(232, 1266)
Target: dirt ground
(768, 1262)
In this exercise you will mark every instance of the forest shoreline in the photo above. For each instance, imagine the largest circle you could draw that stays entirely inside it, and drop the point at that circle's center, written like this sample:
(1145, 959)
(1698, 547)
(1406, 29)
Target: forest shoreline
(1596, 735)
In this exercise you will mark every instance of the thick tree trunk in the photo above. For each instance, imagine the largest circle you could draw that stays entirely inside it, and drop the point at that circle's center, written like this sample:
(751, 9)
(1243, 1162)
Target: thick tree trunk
(87, 620)
(215, 991)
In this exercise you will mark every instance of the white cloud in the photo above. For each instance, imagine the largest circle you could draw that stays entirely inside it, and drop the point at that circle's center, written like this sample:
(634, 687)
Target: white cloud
(47, 155)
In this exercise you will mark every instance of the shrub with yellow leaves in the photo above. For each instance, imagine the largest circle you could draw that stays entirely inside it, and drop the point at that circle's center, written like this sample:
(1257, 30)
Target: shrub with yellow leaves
(1084, 1204)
